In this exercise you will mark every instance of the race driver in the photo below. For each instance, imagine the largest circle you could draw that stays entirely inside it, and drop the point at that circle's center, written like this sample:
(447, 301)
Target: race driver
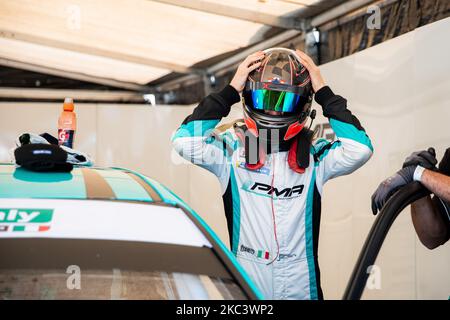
(272, 198)
(430, 216)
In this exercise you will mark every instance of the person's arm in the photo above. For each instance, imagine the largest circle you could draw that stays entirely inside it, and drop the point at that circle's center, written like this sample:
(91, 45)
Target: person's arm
(351, 150)
(353, 147)
(195, 139)
(412, 169)
(428, 222)
(436, 182)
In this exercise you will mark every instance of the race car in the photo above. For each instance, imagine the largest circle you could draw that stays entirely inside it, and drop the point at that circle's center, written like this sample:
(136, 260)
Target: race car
(108, 233)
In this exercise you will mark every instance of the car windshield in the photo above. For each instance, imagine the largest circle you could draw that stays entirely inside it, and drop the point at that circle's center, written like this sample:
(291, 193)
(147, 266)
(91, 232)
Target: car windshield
(113, 284)
(39, 268)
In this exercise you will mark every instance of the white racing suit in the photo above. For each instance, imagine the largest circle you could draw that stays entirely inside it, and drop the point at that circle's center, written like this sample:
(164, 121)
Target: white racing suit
(274, 210)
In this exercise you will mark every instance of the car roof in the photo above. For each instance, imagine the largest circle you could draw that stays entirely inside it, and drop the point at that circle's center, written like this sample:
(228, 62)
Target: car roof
(83, 183)
(98, 219)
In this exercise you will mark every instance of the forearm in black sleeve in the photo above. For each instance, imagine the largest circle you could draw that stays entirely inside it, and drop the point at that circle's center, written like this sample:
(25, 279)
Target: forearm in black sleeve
(335, 107)
(215, 106)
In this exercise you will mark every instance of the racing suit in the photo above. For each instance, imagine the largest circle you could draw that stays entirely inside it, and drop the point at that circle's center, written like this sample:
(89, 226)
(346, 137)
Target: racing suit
(274, 210)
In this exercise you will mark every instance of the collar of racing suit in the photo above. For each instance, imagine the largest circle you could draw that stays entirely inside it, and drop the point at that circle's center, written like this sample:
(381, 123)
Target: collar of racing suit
(278, 146)
(298, 149)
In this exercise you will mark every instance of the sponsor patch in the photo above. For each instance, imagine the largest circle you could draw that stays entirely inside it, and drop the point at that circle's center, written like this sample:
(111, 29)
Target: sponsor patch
(276, 193)
(25, 220)
(262, 170)
(247, 249)
(261, 254)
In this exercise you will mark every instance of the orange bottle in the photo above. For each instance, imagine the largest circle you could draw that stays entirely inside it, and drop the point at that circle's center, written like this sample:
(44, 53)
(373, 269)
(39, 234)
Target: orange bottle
(67, 124)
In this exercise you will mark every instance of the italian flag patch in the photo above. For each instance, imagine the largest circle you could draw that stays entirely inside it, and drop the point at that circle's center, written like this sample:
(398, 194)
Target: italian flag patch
(263, 254)
(31, 228)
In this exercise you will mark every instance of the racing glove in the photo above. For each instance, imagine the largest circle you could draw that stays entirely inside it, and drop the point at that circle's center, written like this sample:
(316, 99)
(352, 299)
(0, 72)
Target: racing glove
(412, 169)
(424, 158)
(389, 186)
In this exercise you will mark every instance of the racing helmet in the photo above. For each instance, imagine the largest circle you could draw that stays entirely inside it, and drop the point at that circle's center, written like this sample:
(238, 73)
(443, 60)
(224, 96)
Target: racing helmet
(278, 94)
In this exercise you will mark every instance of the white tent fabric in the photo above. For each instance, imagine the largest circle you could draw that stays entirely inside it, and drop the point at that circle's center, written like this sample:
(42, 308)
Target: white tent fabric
(129, 40)
(75, 62)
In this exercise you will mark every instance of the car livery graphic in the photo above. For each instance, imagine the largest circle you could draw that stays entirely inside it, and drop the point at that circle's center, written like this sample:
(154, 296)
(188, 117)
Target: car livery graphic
(24, 219)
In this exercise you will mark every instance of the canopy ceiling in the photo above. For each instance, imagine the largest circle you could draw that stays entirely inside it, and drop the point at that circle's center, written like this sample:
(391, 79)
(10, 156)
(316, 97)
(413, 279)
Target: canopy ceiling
(135, 41)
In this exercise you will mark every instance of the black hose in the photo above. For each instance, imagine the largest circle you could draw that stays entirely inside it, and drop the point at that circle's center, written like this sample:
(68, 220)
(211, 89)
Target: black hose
(401, 199)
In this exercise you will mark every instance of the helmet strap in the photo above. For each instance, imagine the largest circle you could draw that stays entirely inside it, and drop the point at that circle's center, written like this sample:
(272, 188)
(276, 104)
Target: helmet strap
(255, 153)
(298, 156)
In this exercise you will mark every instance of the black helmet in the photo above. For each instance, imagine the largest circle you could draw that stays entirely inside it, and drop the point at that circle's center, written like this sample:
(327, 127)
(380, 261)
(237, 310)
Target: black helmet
(278, 94)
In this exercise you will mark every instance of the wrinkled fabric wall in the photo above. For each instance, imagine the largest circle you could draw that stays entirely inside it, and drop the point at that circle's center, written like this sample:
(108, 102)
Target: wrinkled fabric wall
(398, 89)
(397, 18)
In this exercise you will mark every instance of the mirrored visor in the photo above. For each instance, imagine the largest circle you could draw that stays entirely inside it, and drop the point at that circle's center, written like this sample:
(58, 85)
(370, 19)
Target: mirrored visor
(271, 100)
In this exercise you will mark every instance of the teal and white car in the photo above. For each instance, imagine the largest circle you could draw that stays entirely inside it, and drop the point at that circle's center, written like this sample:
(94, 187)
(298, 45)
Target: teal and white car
(108, 233)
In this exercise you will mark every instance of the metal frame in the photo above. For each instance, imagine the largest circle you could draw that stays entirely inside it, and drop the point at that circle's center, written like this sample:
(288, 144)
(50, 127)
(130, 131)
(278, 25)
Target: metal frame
(95, 51)
(289, 21)
(71, 75)
(354, 14)
(231, 62)
(298, 20)
(60, 94)
(339, 11)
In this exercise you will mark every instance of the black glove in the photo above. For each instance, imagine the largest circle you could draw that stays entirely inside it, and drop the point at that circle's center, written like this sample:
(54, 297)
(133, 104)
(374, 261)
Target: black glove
(389, 186)
(424, 158)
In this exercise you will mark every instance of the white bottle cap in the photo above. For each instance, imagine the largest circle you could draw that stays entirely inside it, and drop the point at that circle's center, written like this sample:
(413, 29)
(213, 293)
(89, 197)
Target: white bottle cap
(68, 100)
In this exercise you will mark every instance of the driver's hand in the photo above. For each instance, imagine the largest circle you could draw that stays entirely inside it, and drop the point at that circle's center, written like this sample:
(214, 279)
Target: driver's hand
(389, 186)
(250, 63)
(317, 80)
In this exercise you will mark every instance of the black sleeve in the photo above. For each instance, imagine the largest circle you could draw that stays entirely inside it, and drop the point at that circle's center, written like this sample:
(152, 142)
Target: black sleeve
(215, 106)
(335, 107)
